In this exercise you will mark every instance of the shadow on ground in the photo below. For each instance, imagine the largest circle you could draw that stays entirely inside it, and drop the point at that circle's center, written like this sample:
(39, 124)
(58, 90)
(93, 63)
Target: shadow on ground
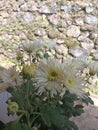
(89, 119)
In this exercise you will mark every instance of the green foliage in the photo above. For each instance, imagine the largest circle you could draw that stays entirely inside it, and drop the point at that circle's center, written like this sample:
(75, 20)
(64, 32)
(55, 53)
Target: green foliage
(87, 100)
(51, 115)
(54, 117)
(77, 110)
(14, 126)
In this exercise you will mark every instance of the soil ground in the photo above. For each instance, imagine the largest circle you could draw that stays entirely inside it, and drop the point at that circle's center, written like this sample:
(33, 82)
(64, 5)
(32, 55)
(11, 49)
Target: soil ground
(89, 119)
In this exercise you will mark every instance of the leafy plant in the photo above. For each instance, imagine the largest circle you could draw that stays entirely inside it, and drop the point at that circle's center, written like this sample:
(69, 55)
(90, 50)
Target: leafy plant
(44, 92)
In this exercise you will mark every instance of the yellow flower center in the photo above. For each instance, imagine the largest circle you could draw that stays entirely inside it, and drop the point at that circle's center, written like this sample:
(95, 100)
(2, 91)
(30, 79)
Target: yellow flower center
(71, 82)
(54, 74)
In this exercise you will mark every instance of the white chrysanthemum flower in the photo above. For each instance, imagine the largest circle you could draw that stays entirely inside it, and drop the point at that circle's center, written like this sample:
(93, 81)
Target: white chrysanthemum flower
(91, 65)
(31, 46)
(11, 77)
(75, 63)
(49, 77)
(73, 82)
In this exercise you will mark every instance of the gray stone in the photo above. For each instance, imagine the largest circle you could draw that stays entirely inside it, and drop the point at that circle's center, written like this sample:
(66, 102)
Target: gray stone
(45, 9)
(73, 31)
(32, 8)
(62, 23)
(67, 17)
(62, 35)
(54, 7)
(83, 36)
(79, 21)
(21, 2)
(95, 55)
(78, 52)
(22, 36)
(87, 3)
(16, 7)
(89, 9)
(76, 7)
(93, 36)
(40, 32)
(28, 17)
(61, 49)
(49, 53)
(52, 51)
(4, 21)
(66, 8)
(88, 27)
(45, 23)
(4, 14)
(60, 41)
(54, 19)
(96, 41)
(87, 44)
(53, 33)
(58, 56)
(91, 19)
(24, 7)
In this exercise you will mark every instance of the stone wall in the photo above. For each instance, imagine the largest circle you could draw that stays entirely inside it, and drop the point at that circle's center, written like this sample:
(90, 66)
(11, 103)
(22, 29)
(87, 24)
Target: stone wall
(71, 24)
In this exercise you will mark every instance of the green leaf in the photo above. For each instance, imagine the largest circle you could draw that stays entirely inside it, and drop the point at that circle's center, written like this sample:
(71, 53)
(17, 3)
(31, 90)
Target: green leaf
(14, 126)
(77, 110)
(19, 98)
(10, 89)
(46, 115)
(87, 99)
(46, 55)
(51, 115)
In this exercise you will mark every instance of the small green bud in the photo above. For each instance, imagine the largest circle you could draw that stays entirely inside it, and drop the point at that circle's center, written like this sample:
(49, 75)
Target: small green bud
(34, 128)
(12, 107)
(48, 88)
(9, 101)
(37, 99)
(28, 70)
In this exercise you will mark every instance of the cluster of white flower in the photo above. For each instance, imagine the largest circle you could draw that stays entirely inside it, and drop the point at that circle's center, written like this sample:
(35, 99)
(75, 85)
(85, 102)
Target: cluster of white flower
(51, 76)
(56, 77)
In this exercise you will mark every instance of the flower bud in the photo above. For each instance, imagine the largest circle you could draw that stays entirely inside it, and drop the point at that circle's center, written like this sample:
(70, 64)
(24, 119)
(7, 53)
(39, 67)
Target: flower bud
(48, 88)
(12, 107)
(9, 101)
(28, 70)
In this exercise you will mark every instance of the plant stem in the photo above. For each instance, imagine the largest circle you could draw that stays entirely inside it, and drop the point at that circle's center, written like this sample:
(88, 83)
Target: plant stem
(30, 57)
(27, 117)
(19, 117)
(34, 119)
(27, 96)
(28, 120)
